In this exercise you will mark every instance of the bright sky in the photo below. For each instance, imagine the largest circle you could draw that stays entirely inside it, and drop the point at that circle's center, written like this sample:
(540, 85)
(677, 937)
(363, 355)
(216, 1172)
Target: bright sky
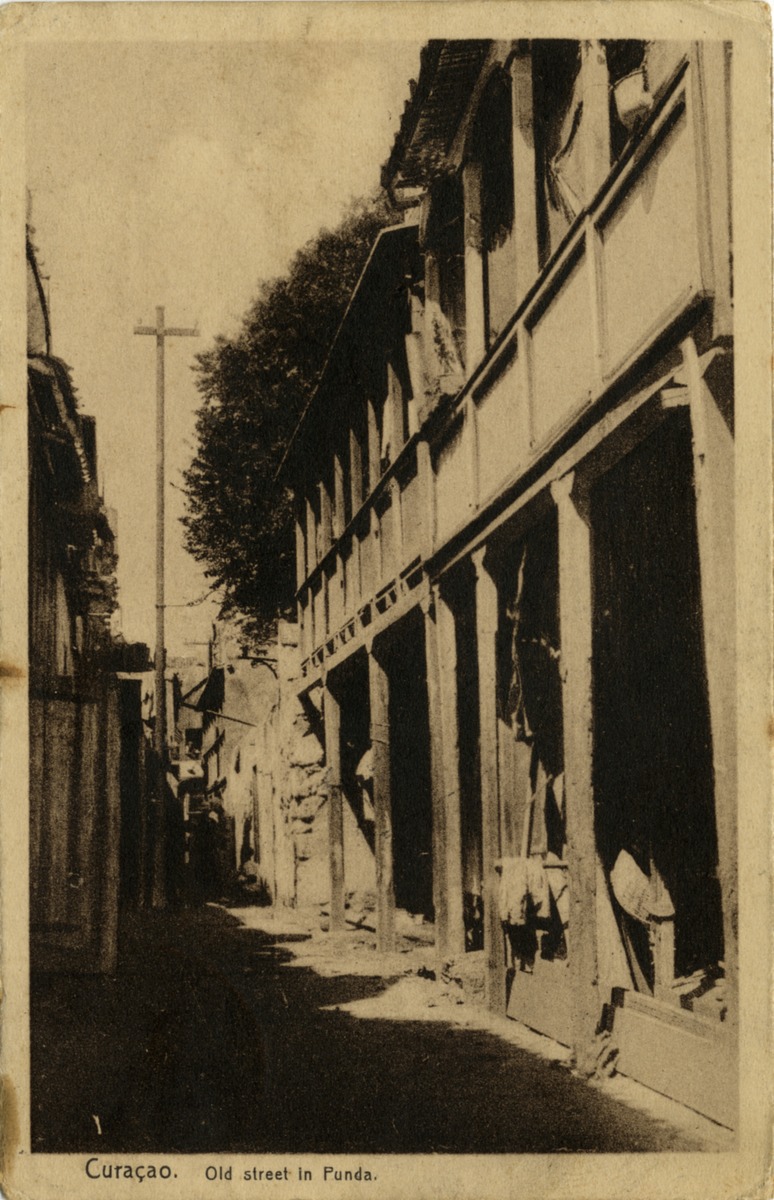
(182, 175)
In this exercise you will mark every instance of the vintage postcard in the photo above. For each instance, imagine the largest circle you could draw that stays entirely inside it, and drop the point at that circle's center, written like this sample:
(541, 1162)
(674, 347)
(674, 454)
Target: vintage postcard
(385, 600)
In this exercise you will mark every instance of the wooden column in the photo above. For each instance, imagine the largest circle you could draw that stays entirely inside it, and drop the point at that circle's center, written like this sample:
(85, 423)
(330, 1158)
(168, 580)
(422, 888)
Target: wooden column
(395, 400)
(595, 121)
(355, 591)
(338, 496)
(449, 780)
(487, 614)
(432, 297)
(379, 694)
(427, 484)
(301, 623)
(474, 469)
(710, 100)
(475, 303)
(374, 475)
(310, 622)
(299, 515)
(356, 471)
(374, 448)
(524, 193)
(332, 718)
(575, 617)
(397, 523)
(326, 525)
(311, 538)
(429, 612)
(710, 383)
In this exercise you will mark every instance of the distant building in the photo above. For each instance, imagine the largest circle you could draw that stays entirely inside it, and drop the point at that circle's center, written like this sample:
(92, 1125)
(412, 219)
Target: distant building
(514, 524)
(232, 831)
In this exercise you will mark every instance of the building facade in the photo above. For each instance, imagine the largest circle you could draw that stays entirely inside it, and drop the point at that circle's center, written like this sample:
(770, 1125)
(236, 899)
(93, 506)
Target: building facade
(232, 820)
(514, 531)
(75, 717)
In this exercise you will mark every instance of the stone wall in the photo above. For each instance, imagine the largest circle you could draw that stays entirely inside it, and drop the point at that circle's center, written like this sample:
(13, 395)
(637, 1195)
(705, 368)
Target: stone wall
(301, 797)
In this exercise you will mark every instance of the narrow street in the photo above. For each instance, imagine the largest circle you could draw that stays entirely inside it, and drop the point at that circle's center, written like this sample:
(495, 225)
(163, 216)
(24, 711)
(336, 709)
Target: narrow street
(235, 1030)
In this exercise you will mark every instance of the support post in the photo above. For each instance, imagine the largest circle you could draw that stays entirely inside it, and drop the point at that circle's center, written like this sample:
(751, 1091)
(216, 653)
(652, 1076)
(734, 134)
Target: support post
(326, 519)
(575, 619)
(338, 496)
(427, 484)
(332, 718)
(396, 401)
(595, 123)
(710, 387)
(379, 695)
(475, 300)
(160, 653)
(374, 447)
(447, 777)
(525, 203)
(355, 470)
(429, 612)
(300, 536)
(487, 615)
(311, 537)
(396, 515)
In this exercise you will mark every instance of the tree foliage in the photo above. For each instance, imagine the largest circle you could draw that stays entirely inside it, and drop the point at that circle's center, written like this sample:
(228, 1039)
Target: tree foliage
(254, 387)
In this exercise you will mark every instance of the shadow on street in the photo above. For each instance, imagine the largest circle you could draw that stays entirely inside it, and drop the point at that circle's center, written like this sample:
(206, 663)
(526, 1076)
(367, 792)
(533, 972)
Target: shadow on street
(206, 1040)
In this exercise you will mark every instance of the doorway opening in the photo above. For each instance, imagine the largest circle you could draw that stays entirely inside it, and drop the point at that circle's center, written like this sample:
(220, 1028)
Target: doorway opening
(653, 783)
(412, 819)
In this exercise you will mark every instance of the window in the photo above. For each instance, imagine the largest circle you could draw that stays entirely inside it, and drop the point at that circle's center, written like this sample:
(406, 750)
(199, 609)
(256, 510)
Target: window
(446, 242)
(493, 148)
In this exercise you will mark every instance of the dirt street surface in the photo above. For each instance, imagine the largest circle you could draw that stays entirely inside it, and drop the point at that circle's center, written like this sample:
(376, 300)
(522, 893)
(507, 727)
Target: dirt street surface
(238, 1030)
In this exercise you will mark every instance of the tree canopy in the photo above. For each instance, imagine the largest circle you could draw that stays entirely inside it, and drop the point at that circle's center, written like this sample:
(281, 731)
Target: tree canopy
(254, 387)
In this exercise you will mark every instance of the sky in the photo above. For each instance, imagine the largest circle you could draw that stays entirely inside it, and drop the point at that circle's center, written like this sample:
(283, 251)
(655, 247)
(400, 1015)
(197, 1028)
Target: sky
(183, 174)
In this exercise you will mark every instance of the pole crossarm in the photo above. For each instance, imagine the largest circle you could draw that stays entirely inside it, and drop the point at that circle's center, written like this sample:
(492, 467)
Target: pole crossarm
(160, 331)
(173, 332)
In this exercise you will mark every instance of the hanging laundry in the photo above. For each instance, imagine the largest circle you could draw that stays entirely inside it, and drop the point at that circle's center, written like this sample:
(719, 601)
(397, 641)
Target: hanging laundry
(537, 887)
(556, 874)
(538, 841)
(514, 707)
(442, 350)
(565, 169)
(524, 894)
(512, 899)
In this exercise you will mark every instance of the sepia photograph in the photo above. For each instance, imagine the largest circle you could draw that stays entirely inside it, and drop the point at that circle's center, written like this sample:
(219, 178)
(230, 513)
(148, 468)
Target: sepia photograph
(386, 600)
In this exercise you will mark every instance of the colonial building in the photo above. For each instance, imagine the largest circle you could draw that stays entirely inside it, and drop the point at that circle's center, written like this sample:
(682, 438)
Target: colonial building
(75, 720)
(514, 530)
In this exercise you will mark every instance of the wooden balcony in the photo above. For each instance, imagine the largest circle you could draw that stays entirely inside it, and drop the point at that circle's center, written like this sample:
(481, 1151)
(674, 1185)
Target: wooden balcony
(627, 272)
(372, 565)
(632, 267)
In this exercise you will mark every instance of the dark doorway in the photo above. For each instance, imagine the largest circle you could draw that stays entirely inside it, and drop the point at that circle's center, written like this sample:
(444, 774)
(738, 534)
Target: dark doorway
(461, 596)
(412, 821)
(356, 772)
(653, 762)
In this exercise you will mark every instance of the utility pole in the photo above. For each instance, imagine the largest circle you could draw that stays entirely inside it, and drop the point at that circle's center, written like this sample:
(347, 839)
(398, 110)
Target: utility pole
(160, 729)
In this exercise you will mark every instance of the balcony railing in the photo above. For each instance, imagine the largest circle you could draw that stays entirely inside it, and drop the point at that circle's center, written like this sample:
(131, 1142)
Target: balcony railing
(629, 268)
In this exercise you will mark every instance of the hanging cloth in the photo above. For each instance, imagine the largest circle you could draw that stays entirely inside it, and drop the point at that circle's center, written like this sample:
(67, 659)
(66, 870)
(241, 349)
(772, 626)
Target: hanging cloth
(636, 892)
(515, 711)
